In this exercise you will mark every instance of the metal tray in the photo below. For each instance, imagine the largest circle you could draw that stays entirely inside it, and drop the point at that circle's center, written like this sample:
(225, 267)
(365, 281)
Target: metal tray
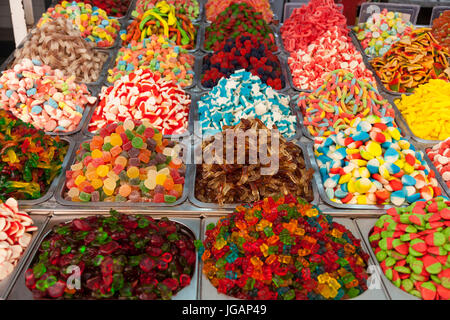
(20, 292)
(437, 10)
(215, 206)
(410, 11)
(365, 226)
(208, 291)
(6, 284)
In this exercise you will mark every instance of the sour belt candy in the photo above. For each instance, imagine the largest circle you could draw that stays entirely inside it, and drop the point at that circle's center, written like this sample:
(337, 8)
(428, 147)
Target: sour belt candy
(214, 8)
(283, 249)
(310, 22)
(29, 159)
(439, 154)
(93, 23)
(163, 57)
(143, 95)
(333, 50)
(440, 29)
(44, 97)
(115, 8)
(341, 98)
(427, 110)
(120, 256)
(243, 52)
(127, 161)
(243, 96)
(15, 236)
(237, 19)
(371, 163)
(412, 246)
(191, 8)
(381, 30)
(58, 45)
(412, 61)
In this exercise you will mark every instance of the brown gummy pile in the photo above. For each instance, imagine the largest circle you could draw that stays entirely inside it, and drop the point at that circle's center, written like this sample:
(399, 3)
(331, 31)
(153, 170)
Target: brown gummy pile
(243, 183)
(60, 46)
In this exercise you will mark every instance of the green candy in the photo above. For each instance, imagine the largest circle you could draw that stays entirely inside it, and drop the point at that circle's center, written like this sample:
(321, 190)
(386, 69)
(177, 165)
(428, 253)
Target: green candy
(381, 255)
(435, 278)
(402, 269)
(390, 261)
(407, 285)
(411, 229)
(416, 266)
(415, 293)
(417, 277)
(388, 273)
(394, 254)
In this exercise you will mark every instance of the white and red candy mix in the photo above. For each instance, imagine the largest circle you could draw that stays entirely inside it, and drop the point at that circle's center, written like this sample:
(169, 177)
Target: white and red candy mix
(44, 97)
(143, 95)
(440, 156)
(331, 51)
(15, 235)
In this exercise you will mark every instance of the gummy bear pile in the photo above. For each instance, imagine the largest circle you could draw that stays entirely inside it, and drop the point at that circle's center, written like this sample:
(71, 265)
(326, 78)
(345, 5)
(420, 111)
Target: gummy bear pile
(126, 162)
(283, 249)
(30, 160)
(119, 257)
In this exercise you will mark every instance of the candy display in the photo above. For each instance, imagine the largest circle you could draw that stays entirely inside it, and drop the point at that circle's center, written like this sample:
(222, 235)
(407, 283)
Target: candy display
(44, 97)
(119, 257)
(311, 21)
(412, 245)
(162, 20)
(439, 154)
(381, 30)
(15, 235)
(341, 98)
(127, 161)
(158, 54)
(243, 96)
(371, 163)
(283, 249)
(142, 95)
(93, 23)
(237, 19)
(58, 45)
(426, 110)
(331, 51)
(414, 60)
(440, 29)
(191, 8)
(115, 8)
(29, 159)
(244, 183)
(214, 8)
(244, 52)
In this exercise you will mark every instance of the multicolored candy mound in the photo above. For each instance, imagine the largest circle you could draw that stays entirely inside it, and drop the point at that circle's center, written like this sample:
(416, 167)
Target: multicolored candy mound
(118, 256)
(283, 249)
(412, 246)
(29, 159)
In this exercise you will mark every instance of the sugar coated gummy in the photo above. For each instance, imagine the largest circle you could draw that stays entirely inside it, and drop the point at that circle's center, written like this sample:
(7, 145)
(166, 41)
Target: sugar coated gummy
(119, 256)
(283, 249)
(412, 245)
(126, 162)
(216, 8)
(439, 154)
(115, 8)
(371, 163)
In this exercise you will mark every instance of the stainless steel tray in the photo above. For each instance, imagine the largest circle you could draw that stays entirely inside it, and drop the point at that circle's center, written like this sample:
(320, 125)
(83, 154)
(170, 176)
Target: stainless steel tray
(20, 292)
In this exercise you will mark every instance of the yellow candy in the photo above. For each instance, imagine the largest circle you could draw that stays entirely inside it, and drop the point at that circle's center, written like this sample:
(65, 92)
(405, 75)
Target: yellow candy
(374, 148)
(366, 155)
(107, 191)
(408, 168)
(361, 199)
(400, 163)
(133, 172)
(364, 172)
(79, 180)
(96, 183)
(160, 178)
(395, 133)
(363, 185)
(345, 178)
(116, 140)
(102, 170)
(351, 185)
(96, 154)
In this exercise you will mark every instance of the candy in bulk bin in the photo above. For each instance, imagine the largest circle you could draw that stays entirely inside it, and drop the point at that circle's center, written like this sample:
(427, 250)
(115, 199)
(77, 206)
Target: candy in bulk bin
(126, 162)
(191, 8)
(381, 30)
(242, 96)
(37, 94)
(439, 154)
(426, 111)
(115, 8)
(412, 245)
(244, 183)
(158, 54)
(214, 8)
(119, 256)
(93, 23)
(283, 248)
(237, 19)
(414, 60)
(371, 163)
(143, 95)
(243, 52)
(340, 99)
(30, 160)
(60, 46)
(440, 29)
(162, 20)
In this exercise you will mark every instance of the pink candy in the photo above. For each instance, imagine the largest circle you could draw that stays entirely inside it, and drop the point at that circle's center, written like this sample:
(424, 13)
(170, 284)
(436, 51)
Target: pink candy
(440, 156)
